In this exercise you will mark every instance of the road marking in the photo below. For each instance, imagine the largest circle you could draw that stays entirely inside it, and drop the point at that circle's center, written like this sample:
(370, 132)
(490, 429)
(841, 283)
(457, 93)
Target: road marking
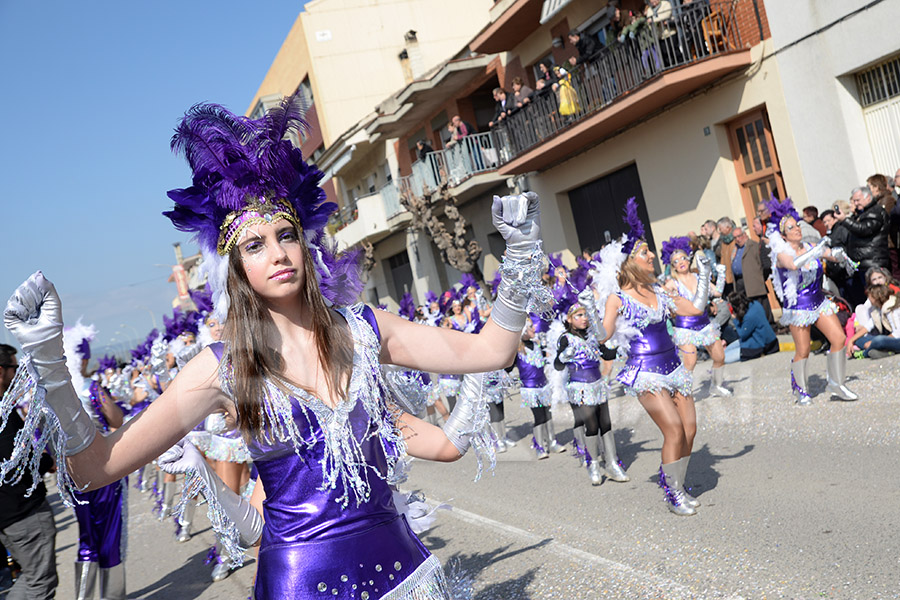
(566, 551)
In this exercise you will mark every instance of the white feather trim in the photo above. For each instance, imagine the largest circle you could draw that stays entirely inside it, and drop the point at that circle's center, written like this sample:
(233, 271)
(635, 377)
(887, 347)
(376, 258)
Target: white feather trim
(215, 268)
(72, 338)
(605, 279)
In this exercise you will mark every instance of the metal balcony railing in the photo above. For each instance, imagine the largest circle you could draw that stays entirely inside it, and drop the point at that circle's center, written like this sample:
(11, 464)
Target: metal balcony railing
(695, 33)
(473, 154)
(390, 196)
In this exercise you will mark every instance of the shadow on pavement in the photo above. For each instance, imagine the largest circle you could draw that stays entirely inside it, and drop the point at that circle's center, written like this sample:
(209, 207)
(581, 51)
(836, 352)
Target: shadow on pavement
(702, 475)
(187, 582)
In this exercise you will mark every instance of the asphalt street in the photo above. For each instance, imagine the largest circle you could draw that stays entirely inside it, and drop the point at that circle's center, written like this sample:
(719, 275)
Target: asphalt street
(797, 502)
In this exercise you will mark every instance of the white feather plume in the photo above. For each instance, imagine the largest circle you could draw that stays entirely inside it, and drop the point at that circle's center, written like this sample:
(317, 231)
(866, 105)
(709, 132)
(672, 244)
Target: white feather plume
(605, 280)
(72, 338)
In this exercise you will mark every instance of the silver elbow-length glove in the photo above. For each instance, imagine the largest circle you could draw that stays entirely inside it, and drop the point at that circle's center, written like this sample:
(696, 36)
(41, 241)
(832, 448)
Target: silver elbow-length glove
(701, 296)
(587, 300)
(812, 254)
(460, 424)
(720, 279)
(185, 458)
(34, 316)
(518, 219)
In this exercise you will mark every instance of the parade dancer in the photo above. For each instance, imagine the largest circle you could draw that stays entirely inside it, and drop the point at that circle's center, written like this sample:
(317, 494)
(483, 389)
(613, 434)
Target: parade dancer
(797, 272)
(99, 512)
(579, 352)
(325, 438)
(691, 332)
(534, 387)
(636, 311)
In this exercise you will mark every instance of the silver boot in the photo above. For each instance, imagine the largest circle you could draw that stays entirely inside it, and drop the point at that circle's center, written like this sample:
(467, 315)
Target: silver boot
(503, 437)
(500, 433)
(85, 576)
(593, 465)
(580, 445)
(799, 384)
(553, 446)
(185, 520)
(837, 374)
(612, 467)
(168, 496)
(112, 583)
(674, 495)
(683, 463)
(718, 383)
(222, 569)
(539, 442)
(145, 475)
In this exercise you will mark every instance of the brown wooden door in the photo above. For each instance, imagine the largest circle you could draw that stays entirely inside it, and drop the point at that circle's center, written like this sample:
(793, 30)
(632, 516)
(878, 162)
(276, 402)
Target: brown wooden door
(755, 160)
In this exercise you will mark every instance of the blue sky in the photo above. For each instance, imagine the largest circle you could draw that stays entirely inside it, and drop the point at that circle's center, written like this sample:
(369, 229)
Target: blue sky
(91, 93)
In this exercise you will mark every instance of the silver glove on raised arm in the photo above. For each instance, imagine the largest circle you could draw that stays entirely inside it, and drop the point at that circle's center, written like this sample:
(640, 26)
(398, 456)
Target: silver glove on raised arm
(34, 316)
(517, 218)
(813, 253)
(701, 296)
(587, 300)
(461, 422)
(185, 458)
(720, 279)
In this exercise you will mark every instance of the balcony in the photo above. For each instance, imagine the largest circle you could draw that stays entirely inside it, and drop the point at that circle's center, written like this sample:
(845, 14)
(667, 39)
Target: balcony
(466, 167)
(624, 84)
(375, 216)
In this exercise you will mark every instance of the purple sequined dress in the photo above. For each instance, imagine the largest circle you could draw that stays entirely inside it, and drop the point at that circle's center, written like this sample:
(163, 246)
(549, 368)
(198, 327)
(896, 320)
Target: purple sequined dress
(802, 295)
(694, 330)
(100, 513)
(331, 526)
(653, 362)
(533, 386)
(581, 355)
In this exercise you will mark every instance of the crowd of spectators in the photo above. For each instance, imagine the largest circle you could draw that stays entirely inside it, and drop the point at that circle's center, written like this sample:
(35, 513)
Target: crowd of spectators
(868, 300)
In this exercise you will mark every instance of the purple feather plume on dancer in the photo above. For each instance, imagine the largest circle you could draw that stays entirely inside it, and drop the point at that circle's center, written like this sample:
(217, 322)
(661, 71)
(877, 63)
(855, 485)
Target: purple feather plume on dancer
(675, 244)
(407, 306)
(635, 225)
(781, 209)
(430, 297)
(237, 161)
(108, 362)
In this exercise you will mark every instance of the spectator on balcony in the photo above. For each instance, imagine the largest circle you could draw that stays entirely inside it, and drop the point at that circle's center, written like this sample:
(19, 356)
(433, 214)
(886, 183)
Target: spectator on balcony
(501, 109)
(586, 45)
(659, 13)
(693, 12)
(811, 216)
(521, 92)
(423, 148)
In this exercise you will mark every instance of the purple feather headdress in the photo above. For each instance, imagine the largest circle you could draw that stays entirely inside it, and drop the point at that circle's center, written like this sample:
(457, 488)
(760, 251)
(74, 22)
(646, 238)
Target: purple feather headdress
(635, 226)
(430, 297)
(181, 322)
(244, 173)
(446, 299)
(675, 244)
(202, 300)
(781, 210)
(143, 350)
(407, 306)
(108, 362)
(495, 283)
(554, 261)
(466, 281)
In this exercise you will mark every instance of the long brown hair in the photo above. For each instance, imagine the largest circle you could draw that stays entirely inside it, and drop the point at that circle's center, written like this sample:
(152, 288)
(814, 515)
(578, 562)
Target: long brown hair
(631, 275)
(253, 361)
(881, 295)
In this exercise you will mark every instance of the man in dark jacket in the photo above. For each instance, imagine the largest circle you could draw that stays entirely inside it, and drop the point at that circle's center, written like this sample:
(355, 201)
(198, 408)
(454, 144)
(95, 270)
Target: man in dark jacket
(586, 45)
(753, 271)
(869, 228)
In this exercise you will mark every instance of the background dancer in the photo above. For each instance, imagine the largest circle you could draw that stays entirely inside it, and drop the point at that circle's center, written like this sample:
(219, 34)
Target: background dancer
(636, 311)
(797, 272)
(691, 332)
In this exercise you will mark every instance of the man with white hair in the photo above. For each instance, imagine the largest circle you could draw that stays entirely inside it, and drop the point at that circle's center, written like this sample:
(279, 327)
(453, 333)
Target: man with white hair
(869, 227)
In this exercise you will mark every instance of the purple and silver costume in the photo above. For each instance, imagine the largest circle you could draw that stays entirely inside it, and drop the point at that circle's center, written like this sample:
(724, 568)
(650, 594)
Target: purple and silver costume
(331, 526)
(582, 359)
(533, 385)
(653, 362)
(693, 330)
(801, 292)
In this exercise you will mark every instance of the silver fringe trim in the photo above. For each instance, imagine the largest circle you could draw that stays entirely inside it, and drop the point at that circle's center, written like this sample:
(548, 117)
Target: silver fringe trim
(226, 531)
(590, 394)
(680, 380)
(29, 444)
(700, 338)
(427, 582)
(805, 318)
(521, 279)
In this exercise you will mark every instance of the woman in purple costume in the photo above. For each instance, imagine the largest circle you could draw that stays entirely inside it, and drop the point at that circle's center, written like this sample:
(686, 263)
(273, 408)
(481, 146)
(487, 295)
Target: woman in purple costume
(797, 271)
(691, 332)
(99, 512)
(636, 311)
(535, 389)
(302, 381)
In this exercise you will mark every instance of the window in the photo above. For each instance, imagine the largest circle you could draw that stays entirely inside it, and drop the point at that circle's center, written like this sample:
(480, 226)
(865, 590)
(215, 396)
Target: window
(880, 82)
(305, 89)
(755, 159)
(259, 111)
